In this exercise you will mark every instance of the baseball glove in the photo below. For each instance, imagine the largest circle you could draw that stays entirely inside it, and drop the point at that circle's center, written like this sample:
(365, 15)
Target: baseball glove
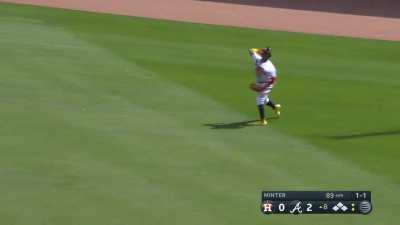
(256, 87)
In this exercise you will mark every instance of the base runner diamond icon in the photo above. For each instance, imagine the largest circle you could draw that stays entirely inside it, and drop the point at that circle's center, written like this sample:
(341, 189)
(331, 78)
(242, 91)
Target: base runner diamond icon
(340, 206)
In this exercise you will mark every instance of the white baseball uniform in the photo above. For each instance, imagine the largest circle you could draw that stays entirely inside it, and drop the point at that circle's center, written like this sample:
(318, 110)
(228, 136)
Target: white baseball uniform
(265, 75)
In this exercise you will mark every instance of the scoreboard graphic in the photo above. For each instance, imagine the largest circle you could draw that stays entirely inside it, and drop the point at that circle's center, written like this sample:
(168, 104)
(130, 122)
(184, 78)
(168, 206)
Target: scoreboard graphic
(316, 202)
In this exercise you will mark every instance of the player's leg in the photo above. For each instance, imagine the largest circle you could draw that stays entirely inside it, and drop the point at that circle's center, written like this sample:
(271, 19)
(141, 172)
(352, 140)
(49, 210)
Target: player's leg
(270, 103)
(275, 107)
(260, 104)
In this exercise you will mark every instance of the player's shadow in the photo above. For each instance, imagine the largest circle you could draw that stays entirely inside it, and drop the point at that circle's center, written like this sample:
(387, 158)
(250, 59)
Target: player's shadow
(236, 125)
(365, 135)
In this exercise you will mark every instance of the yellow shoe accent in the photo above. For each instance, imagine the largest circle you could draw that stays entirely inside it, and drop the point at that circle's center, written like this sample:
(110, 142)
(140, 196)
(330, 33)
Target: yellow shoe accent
(277, 110)
(263, 122)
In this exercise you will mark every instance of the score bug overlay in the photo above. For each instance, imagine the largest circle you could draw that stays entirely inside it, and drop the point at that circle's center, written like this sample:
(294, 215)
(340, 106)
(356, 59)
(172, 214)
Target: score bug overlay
(316, 202)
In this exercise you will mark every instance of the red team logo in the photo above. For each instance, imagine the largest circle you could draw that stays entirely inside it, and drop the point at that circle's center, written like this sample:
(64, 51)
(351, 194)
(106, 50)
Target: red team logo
(266, 207)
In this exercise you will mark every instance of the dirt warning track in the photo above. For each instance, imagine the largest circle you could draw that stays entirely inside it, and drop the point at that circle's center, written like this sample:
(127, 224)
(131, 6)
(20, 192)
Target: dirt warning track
(297, 16)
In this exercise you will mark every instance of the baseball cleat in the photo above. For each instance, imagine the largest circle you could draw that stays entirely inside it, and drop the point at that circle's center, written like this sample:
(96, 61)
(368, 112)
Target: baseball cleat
(263, 122)
(278, 110)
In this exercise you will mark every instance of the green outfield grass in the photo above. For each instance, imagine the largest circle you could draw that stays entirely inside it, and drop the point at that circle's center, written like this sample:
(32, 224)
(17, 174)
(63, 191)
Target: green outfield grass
(111, 120)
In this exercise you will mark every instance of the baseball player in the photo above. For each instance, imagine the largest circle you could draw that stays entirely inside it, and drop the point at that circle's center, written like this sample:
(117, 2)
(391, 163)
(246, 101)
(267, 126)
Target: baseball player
(265, 81)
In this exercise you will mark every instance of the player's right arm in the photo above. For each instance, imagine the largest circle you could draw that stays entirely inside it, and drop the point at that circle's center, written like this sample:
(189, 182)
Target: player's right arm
(253, 51)
(254, 55)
